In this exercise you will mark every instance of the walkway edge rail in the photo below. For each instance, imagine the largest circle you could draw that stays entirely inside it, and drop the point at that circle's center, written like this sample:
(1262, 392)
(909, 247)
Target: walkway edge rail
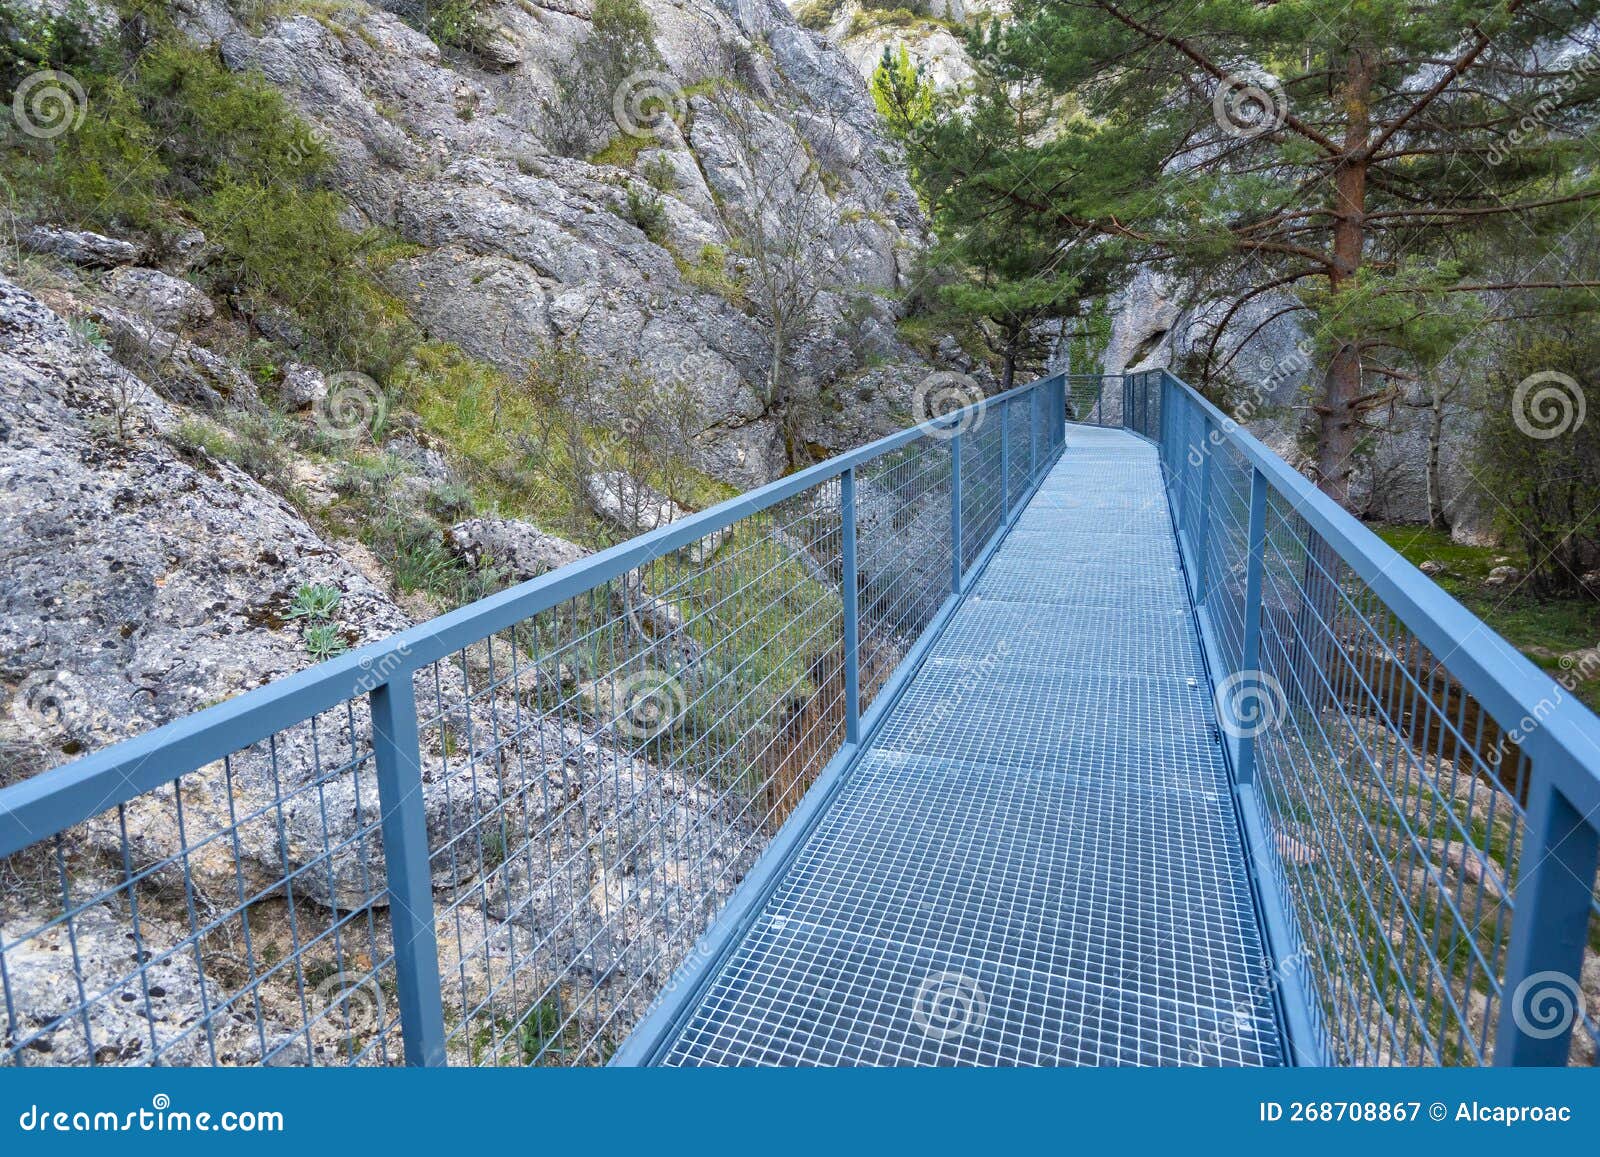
(1559, 738)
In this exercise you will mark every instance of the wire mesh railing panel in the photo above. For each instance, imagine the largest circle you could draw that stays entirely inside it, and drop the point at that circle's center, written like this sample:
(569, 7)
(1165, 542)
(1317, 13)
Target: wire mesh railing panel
(1094, 399)
(1425, 858)
(1225, 545)
(494, 837)
(236, 915)
(630, 752)
(983, 498)
(1395, 814)
(903, 526)
(1020, 469)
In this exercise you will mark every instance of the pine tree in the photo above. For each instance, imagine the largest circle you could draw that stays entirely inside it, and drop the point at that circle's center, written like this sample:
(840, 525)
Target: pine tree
(1363, 161)
(999, 264)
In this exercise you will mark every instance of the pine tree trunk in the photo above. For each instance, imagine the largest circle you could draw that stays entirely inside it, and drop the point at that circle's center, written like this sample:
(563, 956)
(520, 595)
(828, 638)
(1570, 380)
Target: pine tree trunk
(1338, 430)
(1436, 518)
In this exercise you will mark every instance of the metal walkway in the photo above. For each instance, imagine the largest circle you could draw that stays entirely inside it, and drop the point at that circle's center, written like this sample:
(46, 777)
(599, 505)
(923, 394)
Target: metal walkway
(1037, 860)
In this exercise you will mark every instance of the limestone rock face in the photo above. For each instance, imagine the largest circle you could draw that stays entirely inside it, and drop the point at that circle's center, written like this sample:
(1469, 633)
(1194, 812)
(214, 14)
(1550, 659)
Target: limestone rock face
(518, 245)
(144, 581)
(147, 583)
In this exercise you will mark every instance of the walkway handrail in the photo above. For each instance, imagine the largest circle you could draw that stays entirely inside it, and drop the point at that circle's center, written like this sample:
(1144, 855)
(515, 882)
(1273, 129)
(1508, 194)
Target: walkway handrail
(764, 638)
(1395, 700)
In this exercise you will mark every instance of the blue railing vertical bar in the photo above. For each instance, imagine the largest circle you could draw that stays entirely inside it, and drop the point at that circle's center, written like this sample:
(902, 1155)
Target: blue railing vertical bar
(395, 749)
(955, 512)
(1555, 899)
(850, 582)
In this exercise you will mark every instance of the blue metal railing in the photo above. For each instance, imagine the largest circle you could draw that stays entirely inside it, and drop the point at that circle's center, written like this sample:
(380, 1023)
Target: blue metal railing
(494, 837)
(1420, 800)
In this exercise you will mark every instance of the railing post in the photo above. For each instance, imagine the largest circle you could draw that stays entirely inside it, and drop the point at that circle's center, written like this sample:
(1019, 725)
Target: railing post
(1250, 660)
(955, 513)
(1005, 457)
(1203, 515)
(1033, 435)
(397, 760)
(852, 623)
(1058, 428)
(1542, 999)
(1169, 430)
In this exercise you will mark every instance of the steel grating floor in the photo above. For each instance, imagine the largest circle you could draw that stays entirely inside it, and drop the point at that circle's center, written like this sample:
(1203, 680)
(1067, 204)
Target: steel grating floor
(1036, 862)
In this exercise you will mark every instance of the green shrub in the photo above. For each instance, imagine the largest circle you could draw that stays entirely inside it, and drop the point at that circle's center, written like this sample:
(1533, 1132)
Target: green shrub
(621, 43)
(660, 172)
(316, 602)
(646, 211)
(458, 24)
(217, 126)
(170, 136)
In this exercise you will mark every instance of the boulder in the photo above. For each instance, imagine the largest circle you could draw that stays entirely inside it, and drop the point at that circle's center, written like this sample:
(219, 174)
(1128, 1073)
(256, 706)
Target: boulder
(79, 246)
(180, 370)
(1501, 575)
(520, 547)
(170, 302)
(303, 386)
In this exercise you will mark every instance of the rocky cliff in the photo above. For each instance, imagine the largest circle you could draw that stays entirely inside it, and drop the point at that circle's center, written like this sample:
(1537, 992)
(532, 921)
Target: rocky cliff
(518, 244)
